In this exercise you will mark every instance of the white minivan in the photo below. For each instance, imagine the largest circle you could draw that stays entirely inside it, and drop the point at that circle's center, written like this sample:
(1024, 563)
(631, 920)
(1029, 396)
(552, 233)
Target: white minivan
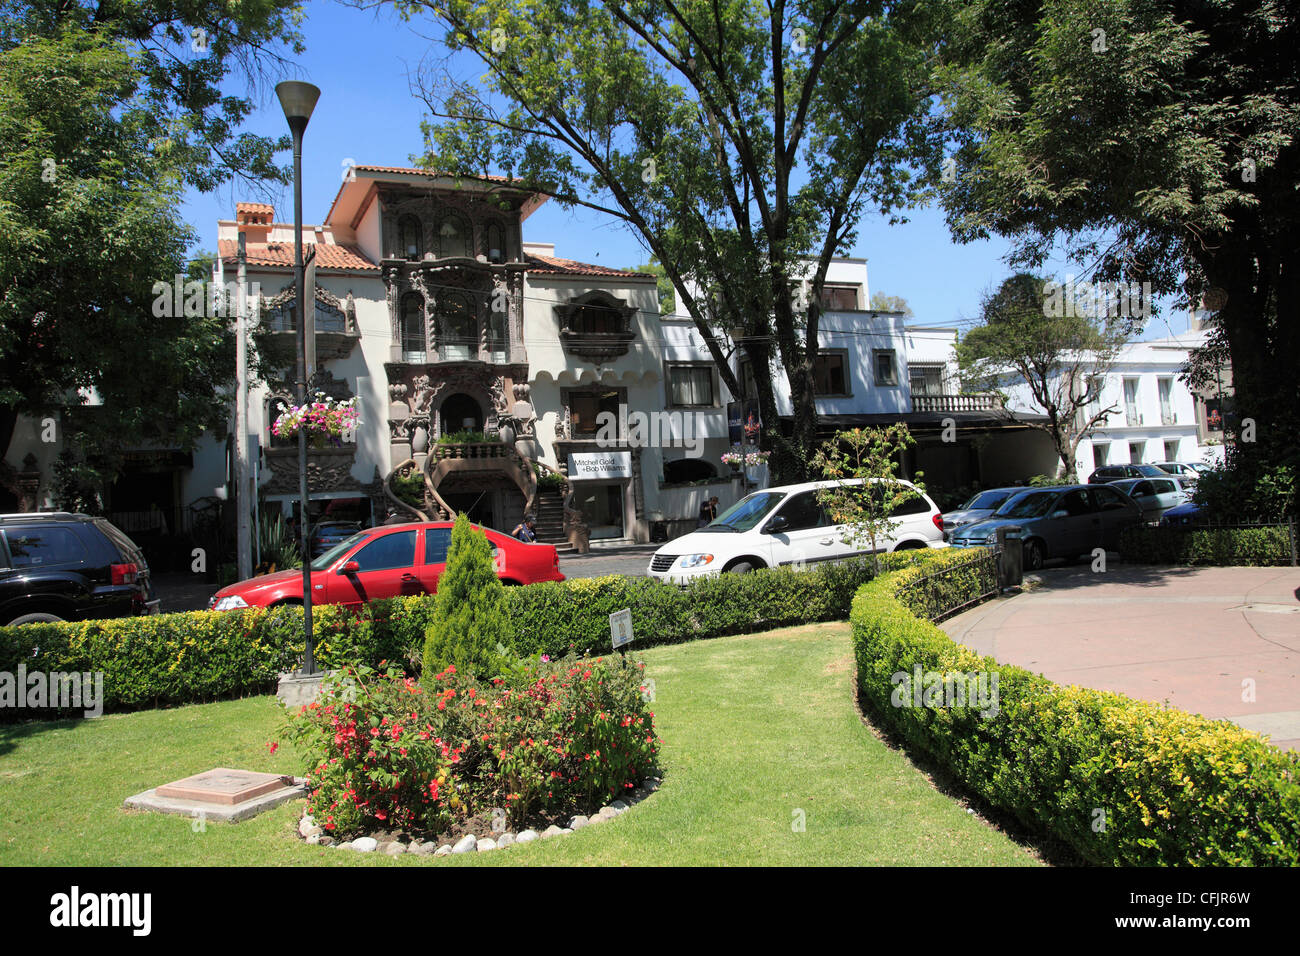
(788, 526)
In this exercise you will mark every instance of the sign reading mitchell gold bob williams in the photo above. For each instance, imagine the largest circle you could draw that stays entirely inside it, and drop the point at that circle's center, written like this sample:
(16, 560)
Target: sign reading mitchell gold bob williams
(605, 464)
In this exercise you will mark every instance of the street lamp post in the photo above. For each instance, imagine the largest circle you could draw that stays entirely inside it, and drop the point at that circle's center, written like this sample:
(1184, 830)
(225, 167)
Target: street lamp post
(298, 100)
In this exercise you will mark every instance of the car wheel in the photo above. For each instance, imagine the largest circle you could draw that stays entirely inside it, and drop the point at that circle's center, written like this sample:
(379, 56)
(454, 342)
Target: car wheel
(910, 546)
(39, 618)
(1033, 559)
(740, 567)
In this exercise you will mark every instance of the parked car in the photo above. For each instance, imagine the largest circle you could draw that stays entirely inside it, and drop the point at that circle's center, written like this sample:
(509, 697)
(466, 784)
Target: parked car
(980, 506)
(1188, 471)
(327, 534)
(384, 562)
(1060, 522)
(56, 566)
(1108, 473)
(1185, 514)
(788, 526)
(1155, 496)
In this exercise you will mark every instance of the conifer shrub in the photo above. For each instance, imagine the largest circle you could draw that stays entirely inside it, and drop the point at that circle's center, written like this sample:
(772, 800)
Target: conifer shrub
(469, 624)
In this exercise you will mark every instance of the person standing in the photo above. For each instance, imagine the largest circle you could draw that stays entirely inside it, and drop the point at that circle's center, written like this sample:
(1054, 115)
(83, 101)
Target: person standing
(526, 530)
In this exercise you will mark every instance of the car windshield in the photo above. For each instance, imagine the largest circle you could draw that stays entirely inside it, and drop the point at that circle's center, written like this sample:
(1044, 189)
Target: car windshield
(986, 500)
(1151, 471)
(747, 512)
(1032, 505)
(336, 552)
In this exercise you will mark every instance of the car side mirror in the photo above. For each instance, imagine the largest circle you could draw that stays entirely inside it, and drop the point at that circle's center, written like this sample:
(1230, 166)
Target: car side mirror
(350, 567)
(776, 525)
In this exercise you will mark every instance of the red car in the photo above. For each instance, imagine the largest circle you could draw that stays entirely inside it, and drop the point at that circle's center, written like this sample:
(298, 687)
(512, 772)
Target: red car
(385, 562)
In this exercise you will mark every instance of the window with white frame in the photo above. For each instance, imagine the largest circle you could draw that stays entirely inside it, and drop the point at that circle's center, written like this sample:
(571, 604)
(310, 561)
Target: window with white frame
(1100, 453)
(1166, 386)
(690, 385)
(926, 378)
(1131, 414)
(1171, 449)
(1136, 452)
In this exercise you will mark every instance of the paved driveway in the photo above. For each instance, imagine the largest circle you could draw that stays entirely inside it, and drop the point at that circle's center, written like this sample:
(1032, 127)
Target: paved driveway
(1195, 637)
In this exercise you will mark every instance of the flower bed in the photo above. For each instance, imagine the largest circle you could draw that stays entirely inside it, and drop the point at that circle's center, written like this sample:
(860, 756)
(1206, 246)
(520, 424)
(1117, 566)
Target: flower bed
(553, 739)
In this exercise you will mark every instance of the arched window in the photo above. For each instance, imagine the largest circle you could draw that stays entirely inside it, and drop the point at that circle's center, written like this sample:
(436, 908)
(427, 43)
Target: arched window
(410, 238)
(459, 328)
(412, 327)
(454, 237)
(496, 243)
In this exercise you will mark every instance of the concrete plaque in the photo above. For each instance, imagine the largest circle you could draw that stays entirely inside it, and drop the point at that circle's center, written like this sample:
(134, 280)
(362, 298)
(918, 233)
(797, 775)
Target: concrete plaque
(223, 786)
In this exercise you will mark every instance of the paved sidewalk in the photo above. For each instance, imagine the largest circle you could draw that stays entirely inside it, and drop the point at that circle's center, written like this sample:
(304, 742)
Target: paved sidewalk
(631, 560)
(1191, 636)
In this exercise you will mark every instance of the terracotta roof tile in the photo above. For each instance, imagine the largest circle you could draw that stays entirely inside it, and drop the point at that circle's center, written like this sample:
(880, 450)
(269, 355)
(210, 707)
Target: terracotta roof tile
(556, 266)
(328, 255)
(253, 207)
(418, 172)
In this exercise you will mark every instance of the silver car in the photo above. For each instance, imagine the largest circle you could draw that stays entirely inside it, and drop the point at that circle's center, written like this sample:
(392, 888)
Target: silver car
(1155, 496)
(981, 505)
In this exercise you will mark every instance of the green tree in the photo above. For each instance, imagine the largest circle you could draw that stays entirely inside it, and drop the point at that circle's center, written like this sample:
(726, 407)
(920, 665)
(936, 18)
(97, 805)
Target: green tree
(865, 462)
(469, 622)
(107, 112)
(1151, 141)
(1028, 337)
(740, 143)
(664, 285)
(890, 303)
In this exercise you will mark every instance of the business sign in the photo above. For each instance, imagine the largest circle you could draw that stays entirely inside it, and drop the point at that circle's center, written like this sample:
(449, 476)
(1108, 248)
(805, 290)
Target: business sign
(743, 422)
(606, 464)
(620, 627)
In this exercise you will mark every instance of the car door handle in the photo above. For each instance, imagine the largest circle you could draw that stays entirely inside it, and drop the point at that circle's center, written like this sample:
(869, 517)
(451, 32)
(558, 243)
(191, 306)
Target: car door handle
(827, 541)
(408, 576)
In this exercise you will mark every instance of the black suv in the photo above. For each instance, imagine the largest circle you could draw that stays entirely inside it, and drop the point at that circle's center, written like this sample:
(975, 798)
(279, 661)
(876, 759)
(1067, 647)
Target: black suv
(64, 567)
(1108, 473)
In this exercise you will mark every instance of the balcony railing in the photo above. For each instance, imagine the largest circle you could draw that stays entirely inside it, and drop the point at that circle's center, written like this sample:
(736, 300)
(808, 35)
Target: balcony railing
(983, 402)
(457, 450)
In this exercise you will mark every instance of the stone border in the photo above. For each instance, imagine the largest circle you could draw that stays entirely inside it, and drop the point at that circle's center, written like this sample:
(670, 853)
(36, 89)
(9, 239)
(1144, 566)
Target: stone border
(469, 843)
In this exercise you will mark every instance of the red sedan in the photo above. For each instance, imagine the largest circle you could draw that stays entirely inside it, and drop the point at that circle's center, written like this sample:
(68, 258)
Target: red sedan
(389, 561)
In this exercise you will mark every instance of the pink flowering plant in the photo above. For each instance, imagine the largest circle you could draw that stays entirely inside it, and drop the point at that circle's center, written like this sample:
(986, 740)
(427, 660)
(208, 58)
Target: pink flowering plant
(553, 738)
(738, 458)
(324, 416)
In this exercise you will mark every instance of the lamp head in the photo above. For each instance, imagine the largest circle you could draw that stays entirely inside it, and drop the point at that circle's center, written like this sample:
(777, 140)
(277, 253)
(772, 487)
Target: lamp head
(297, 99)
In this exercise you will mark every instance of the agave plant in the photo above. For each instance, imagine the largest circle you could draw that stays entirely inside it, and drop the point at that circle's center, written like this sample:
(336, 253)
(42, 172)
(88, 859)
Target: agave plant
(278, 549)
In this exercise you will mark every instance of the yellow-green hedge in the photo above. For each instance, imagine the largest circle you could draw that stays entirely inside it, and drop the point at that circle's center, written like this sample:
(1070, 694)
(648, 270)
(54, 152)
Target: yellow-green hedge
(1122, 781)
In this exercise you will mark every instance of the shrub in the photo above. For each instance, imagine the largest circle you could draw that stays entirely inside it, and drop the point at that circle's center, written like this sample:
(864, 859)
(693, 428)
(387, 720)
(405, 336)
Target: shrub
(1254, 547)
(386, 751)
(468, 621)
(171, 659)
(1174, 788)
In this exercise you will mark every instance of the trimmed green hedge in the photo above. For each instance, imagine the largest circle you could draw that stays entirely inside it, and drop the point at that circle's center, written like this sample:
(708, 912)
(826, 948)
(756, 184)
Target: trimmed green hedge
(171, 659)
(1251, 547)
(1122, 781)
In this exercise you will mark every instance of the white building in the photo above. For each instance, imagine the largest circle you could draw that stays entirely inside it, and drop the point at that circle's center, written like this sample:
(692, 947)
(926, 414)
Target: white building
(1154, 416)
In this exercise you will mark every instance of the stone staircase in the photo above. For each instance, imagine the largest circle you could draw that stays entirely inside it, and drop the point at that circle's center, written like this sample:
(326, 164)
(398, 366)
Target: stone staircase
(550, 519)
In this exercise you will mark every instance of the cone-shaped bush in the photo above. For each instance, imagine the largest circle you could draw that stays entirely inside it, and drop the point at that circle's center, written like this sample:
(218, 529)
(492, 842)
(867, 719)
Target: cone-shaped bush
(469, 620)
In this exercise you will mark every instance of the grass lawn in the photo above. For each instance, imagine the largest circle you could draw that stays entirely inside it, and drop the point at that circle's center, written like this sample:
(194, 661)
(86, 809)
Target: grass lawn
(755, 728)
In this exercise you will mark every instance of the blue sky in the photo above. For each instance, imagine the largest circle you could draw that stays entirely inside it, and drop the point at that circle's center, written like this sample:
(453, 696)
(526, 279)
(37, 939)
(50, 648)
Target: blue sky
(364, 61)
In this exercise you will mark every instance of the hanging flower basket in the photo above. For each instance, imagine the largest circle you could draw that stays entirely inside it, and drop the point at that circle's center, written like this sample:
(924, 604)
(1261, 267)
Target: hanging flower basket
(735, 459)
(324, 420)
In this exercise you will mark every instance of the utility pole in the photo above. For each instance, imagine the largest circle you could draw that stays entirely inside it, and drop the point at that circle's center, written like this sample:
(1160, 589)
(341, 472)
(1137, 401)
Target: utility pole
(243, 539)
